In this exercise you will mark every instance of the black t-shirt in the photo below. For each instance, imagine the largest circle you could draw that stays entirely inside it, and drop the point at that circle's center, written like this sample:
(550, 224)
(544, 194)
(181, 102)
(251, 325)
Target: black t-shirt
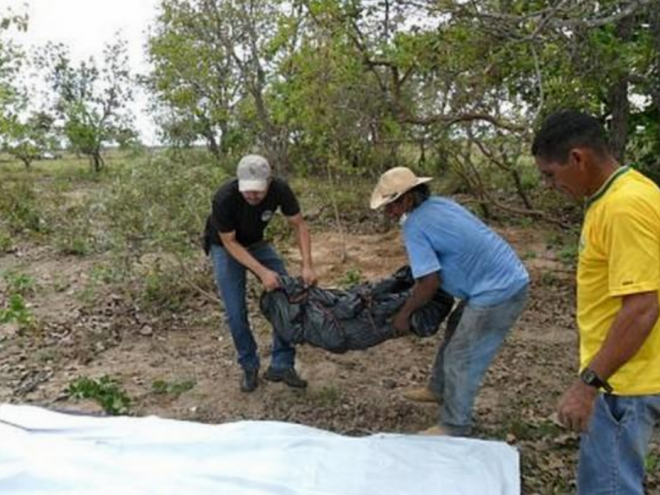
(230, 212)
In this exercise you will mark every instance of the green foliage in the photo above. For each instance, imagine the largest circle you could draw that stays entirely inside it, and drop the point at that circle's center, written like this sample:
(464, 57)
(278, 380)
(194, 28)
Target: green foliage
(351, 88)
(16, 310)
(105, 391)
(526, 431)
(20, 208)
(175, 388)
(19, 283)
(92, 100)
(159, 204)
(278, 229)
(568, 254)
(81, 232)
(194, 75)
(11, 59)
(164, 286)
(6, 242)
(566, 245)
(353, 276)
(28, 139)
(327, 396)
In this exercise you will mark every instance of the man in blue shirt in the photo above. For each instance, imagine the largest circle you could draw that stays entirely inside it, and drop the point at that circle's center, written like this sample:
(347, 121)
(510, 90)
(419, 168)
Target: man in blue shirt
(451, 248)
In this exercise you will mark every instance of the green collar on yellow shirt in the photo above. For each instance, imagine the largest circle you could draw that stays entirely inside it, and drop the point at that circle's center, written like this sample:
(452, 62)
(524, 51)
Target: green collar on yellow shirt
(603, 189)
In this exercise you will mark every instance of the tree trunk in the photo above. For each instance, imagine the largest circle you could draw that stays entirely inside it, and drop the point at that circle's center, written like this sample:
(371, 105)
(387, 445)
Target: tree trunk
(212, 144)
(422, 152)
(97, 161)
(224, 138)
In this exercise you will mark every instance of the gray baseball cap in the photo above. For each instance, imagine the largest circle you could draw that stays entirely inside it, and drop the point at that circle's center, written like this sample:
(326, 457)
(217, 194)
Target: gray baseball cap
(253, 172)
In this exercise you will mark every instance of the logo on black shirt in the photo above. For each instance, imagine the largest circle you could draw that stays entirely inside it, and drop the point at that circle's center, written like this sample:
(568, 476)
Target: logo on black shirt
(266, 215)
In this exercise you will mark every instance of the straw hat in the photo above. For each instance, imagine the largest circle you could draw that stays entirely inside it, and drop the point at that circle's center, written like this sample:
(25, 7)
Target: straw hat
(394, 183)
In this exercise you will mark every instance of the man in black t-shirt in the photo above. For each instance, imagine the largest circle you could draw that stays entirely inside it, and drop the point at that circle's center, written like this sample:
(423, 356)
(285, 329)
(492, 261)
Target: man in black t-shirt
(242, 208)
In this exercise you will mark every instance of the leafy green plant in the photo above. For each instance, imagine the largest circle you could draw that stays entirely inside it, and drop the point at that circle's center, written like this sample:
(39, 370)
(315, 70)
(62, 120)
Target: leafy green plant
(352, 276)
(105, 391)
(6, 242)
(568, 254)
(18, 283)
(16, 311)
(163, 286)
(176, 388)
(159, 204)
(278, 229)
(19, 207)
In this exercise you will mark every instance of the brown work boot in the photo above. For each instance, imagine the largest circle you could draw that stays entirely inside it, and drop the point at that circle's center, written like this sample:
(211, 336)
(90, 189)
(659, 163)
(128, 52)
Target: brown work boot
(286, 375)
(420, 394)
(434, 431)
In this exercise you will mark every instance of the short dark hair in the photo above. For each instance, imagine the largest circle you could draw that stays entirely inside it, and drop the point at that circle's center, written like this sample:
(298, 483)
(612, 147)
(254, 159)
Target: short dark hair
(568, 129)
(420, 193)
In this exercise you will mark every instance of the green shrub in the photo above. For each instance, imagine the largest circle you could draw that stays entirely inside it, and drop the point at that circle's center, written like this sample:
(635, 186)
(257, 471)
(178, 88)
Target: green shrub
(19, 207)
(351, 277)
(160, 204)
(105, 391)
(6, 242)
(163, 287)
(278, 229)
(16, 311)
(80, 229)
(18, 283)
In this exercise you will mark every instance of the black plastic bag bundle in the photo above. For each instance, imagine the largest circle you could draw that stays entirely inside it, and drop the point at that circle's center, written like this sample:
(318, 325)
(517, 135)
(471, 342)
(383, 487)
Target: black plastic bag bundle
(353, 319)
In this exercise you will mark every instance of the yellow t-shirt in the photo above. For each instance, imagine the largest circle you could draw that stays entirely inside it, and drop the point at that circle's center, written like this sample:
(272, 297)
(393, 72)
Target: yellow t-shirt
(620, 255)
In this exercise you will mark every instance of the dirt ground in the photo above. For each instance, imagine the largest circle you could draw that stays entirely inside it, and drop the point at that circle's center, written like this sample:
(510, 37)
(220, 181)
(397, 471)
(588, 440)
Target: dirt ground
(356, 393)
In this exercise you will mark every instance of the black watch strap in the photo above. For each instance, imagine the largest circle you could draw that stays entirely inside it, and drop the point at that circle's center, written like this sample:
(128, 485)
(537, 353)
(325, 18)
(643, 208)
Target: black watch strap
(591, 378)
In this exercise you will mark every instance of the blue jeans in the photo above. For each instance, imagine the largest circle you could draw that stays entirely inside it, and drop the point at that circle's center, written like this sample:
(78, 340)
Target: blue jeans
(464, 356)
(613, 450)
(230, 278)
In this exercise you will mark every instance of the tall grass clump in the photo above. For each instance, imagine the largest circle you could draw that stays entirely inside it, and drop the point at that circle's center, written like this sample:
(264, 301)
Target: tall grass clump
(158, 204)
(156, 210)
(21, 209)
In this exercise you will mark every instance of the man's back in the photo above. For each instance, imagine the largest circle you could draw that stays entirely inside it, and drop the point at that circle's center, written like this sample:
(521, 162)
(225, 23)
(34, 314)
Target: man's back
(476, 263)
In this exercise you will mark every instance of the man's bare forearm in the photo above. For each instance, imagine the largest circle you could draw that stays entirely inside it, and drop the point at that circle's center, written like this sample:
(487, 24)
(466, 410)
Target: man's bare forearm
(242, 255)
(631, 328)
(422, 292)
(304, 244)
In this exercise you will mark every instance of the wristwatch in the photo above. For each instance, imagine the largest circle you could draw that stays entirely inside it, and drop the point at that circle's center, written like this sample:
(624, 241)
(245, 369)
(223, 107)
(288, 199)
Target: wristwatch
(589, 377)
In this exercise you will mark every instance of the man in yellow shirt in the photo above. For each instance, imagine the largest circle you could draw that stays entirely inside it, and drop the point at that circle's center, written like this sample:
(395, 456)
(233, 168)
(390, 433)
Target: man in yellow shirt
(615, 403)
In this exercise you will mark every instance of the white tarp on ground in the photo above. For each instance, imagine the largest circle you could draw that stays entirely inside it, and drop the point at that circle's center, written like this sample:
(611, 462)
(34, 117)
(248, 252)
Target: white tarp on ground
(44, 452)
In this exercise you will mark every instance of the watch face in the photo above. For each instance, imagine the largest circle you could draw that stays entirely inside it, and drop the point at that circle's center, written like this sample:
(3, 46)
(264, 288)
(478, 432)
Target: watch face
(589, 377)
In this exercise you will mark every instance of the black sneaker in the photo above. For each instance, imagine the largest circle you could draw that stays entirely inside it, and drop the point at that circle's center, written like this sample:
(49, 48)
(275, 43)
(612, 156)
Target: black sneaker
(287, 375)
(249, 380)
